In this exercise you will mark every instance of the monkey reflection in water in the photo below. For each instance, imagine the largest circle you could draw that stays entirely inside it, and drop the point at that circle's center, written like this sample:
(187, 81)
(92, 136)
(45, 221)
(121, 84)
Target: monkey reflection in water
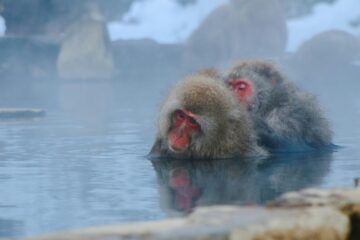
(186, 184)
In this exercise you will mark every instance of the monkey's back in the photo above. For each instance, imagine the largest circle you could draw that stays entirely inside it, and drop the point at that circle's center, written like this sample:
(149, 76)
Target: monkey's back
(296, 120)
(285, 118)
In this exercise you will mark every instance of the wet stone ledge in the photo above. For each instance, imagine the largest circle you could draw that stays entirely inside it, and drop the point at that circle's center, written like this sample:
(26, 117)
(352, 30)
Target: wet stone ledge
(308, 214)
(21, 113)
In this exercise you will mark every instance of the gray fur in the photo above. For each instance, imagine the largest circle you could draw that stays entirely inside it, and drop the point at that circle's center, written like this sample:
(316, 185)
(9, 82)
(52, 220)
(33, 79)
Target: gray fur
(226, 129)
(285, 117)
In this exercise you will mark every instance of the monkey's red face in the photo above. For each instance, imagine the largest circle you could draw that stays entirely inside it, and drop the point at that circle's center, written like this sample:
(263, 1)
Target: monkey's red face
(243, 89)
(184, 125)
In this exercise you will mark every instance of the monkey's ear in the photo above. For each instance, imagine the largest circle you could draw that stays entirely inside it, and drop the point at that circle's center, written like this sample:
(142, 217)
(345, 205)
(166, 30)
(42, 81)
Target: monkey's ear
(209, 72)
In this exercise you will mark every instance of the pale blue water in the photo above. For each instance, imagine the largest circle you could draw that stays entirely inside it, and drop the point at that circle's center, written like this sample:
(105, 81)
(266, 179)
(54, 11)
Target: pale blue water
(84, 163)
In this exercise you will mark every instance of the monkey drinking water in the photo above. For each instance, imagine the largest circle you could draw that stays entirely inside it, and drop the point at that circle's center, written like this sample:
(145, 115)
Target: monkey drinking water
(201, 118)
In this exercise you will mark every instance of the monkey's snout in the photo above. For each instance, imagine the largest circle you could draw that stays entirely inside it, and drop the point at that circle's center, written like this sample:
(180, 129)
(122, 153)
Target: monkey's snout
(177, 149)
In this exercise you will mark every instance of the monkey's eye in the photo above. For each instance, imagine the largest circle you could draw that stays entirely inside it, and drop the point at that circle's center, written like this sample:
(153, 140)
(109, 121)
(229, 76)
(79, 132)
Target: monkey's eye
(242, 85)
(238, 84)
(179, 115)
(193, 123)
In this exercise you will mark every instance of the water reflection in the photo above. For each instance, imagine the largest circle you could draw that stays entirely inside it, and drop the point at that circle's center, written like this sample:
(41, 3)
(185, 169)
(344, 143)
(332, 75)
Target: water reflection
(184, 184)
(10, 228)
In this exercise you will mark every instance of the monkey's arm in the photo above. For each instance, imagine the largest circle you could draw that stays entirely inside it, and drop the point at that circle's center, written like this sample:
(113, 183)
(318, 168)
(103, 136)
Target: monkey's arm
(156, 148)
(266, 134)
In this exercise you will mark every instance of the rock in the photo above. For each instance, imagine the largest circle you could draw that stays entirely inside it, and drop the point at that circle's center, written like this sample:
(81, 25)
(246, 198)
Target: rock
(345, 200)
(85, 52)
(20, 113)
(51, 17)
(357, 182)
(260, 223)
(252, 223)
(240, 29)
(328, 51)
(296, 9)
(311, 214)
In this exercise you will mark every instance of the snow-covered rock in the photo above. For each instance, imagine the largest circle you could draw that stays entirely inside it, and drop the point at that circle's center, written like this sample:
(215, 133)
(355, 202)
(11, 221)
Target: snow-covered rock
(336, 16)
(161, 20)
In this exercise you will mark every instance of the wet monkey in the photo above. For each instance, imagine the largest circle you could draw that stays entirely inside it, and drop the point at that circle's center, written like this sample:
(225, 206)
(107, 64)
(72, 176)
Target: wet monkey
(201, 118)
(285, 118)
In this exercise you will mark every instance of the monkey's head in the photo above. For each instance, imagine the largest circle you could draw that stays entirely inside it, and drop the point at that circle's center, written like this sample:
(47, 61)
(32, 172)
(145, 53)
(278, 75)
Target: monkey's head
(253, 81)
(194, 118)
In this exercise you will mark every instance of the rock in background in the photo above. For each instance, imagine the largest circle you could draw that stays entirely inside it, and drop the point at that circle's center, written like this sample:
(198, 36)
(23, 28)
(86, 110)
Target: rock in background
(44, 17)
(296, 8)
(240, 29)
(85, 52)
(328, 51)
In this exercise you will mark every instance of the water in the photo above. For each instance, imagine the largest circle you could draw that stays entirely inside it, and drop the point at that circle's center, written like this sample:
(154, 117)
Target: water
(84, 163)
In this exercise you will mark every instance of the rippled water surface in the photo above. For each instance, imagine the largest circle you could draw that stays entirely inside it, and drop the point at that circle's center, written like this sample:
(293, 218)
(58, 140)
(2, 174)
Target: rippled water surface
(85, 164)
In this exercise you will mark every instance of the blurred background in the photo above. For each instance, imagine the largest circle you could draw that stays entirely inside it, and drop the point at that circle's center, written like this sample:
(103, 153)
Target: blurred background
(100, 69)
(122, 39)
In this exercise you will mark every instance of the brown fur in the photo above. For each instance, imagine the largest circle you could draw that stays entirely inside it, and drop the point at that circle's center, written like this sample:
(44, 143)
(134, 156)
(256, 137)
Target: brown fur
(226, 130)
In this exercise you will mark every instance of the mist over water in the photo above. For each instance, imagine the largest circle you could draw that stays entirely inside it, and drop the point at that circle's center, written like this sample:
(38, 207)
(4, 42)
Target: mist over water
(84, 163)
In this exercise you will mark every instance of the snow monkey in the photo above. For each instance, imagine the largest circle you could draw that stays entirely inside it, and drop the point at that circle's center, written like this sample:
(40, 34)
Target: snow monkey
(285, 118)
(201, 118)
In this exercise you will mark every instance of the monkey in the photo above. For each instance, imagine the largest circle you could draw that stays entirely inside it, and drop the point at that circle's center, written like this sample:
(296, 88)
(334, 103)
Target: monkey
(285, 118)
(201, 119)
(186, 194)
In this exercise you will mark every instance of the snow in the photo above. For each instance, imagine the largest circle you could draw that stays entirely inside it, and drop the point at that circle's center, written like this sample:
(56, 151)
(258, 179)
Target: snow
(162, 20)
(166, 21)
(324, 17)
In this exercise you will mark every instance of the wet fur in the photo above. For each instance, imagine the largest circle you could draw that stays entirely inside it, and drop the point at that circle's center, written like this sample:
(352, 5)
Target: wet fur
(285, 117)
(226, 128)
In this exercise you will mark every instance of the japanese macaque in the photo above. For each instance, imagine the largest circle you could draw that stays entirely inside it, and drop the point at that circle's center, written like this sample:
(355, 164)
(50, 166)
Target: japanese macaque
(285, 118)
(201, 118)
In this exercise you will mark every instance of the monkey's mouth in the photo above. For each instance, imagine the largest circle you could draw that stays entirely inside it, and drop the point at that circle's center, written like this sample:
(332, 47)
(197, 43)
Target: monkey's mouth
(177, 148)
